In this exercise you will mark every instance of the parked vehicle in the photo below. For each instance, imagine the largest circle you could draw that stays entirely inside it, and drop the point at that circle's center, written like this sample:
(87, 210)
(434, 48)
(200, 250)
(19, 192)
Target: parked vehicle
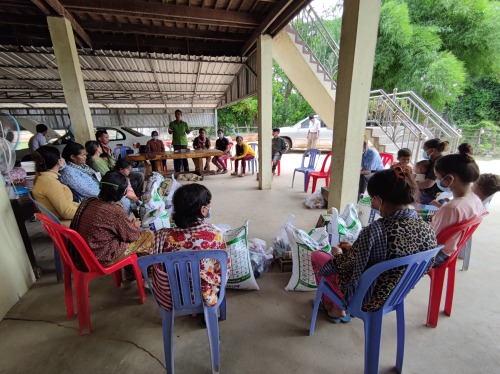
(296, 136)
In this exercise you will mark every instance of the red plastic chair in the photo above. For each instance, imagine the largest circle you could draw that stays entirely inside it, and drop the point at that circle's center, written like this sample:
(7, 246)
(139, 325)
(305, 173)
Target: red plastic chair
(466, 228)
(387, 159)
(60, 235)
(231, 144)
(278, 167)
(323, 174)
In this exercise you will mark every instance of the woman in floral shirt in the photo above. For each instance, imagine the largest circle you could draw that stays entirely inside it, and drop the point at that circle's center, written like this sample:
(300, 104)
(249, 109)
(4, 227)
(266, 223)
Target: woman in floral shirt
(191, 207)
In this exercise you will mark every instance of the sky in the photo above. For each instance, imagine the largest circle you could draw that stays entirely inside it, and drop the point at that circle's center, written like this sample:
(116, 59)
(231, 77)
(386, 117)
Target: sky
(321, 5)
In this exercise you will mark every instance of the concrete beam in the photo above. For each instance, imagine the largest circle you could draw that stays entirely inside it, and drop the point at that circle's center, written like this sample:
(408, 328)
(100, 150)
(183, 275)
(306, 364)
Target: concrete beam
(357, 53)
(68, 65)
(265, 102)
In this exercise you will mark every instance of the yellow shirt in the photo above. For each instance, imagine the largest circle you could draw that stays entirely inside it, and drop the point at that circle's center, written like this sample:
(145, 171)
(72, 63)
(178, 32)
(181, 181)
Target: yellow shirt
(247, 150)
(55, 196)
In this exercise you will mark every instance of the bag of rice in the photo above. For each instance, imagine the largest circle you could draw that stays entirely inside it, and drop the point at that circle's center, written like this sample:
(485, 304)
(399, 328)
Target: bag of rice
(303, 245)
(345, 227)
(155, 220)
(365, 212)
(241, 275)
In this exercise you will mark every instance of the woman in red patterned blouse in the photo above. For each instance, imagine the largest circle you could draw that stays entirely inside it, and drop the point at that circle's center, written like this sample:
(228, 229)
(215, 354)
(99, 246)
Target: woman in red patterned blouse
(192, 204)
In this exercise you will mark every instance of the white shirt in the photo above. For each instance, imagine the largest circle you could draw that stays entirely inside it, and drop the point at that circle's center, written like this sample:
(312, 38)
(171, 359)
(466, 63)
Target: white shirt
(314, 126)
(37, 141)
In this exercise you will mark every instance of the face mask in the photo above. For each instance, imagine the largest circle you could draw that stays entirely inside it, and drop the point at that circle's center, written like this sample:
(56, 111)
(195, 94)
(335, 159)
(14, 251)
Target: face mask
(209, 213)
(425, 155)
(63, 166)
(155, 137)
(444, 189)
(220, 136)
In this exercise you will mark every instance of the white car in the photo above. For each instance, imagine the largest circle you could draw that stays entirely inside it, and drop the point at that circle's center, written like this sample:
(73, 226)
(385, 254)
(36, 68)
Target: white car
(296, 136)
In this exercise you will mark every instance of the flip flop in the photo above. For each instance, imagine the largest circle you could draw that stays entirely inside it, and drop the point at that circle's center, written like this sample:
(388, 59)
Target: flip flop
(346, 319)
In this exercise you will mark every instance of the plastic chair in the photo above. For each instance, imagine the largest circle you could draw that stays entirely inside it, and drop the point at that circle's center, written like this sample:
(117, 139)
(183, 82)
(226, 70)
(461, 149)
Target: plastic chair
(231, 144)
(252, 164)
(323, 174)
(61, 235)
(121, 151)
(48, 213)
(313, 155)
(387, 159)
(417, 266)
(183, 269)
(278, 167)
(465, 252)
(466, 228)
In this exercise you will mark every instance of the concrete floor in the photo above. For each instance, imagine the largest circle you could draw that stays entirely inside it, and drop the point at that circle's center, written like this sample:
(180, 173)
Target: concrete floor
(266, 331)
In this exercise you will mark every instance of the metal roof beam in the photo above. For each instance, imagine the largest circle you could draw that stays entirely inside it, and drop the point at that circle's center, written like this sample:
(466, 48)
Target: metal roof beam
(154, 10)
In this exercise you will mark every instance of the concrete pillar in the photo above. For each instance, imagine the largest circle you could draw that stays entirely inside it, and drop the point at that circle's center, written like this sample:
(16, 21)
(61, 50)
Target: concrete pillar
(265, 102)
(357, 52)
(68, 64)
(216, 123)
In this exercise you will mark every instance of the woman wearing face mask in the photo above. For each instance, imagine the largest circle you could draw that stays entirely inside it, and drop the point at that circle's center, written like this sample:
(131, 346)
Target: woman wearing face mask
(156, 145)
(201, 142)
(107, 229)
(398, 233)
(433, 149)
(454, 174)
(192, 205)
(222, 144)
(48, 190)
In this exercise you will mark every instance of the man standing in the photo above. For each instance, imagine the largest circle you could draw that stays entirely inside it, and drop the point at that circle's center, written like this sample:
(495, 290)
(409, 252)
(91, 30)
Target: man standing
(38, 140)
(370, 164)
(313, 132)
(136, 177)
(179, 129)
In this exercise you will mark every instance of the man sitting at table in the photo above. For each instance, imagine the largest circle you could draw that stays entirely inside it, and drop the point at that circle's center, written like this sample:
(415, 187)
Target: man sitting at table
(136, 177)
(201, 142)
(370, 163)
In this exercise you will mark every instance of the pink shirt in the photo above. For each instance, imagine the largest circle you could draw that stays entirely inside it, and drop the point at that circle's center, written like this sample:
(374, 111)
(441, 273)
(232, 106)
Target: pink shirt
(457, 210)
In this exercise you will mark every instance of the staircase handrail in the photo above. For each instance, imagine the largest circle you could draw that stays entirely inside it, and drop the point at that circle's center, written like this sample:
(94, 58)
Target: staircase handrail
(312, 21)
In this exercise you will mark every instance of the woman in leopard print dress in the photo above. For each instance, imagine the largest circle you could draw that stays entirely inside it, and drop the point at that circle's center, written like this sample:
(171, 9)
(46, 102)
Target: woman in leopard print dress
(400, 232)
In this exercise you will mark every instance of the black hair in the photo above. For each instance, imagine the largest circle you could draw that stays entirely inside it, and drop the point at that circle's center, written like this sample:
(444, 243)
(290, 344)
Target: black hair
(91, 147)
(364, 144)
(113, 186)
(462, 165)
(178, 111)
(239, 136)
(424, 163)
(488, 184)
(99, 133)
(122, 164)
(276, 130)
(188, 201)
(311, 116)
(41, 127)
(202, 129)
(393, 185)
(220, 130)
(71, 149)
(154, 131)
(46, 157)
(465, 148)
(404, 152)
(437, 144)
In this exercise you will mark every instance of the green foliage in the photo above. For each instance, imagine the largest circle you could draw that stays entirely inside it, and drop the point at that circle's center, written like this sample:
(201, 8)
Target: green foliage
(483, 136)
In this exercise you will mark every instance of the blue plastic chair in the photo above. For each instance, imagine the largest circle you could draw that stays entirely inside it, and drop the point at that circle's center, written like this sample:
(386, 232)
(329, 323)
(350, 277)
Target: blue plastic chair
(417, 266)
(53, 218)
(252, 164)
(121, 151)
(313, 160)
(183, 269)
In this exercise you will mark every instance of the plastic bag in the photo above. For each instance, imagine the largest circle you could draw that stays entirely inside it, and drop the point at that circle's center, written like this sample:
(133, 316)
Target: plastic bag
(303, 245)
(169, 194)
(260, 258)
(241, 274)
(345, 227)
(281, 247)
(156, 220)
(315, 201)
(365, 212)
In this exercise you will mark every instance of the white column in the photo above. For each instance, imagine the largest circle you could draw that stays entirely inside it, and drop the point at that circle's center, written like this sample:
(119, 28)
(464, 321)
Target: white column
(265, 102)
(68, 64)
(357, 52)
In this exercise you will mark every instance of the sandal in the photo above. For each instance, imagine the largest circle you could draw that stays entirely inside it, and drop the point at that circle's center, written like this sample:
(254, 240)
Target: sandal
(241, 175)
(224, 171)
(234, 174)
(346, 319)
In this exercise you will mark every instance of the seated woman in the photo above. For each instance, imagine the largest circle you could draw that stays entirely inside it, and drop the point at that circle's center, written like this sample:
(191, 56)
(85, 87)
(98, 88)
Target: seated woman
(455, 173)
(156, 145)
(48, 190)
(95, 161)
(433, 150)
(201, 142)
(107, 229)
(221, 144)
(191, 208)
(243, 153)
(398, 233)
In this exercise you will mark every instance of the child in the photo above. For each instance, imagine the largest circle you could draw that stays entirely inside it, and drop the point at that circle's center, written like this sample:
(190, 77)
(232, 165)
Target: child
(243, 152)
(420, 170)
(404, 157)
(278, 148)
(487, 185)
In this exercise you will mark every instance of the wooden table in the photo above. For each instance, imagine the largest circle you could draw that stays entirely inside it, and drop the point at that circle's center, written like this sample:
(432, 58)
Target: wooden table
(197, 155)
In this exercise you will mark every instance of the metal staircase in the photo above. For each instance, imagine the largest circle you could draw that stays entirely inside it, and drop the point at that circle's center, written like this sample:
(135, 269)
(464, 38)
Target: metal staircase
(394, 121)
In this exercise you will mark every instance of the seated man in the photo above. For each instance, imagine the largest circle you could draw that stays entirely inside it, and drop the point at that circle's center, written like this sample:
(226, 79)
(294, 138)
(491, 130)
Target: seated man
(278, 148)
(370, 163)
